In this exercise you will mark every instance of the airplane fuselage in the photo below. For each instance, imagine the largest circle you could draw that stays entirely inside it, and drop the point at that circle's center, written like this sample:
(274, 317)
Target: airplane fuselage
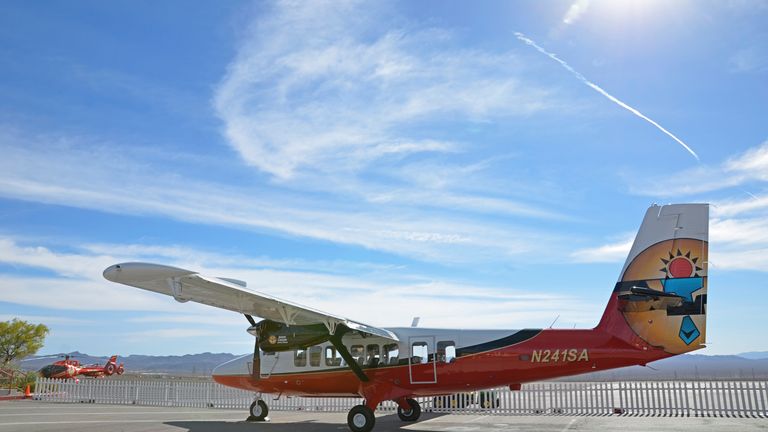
(435, 362)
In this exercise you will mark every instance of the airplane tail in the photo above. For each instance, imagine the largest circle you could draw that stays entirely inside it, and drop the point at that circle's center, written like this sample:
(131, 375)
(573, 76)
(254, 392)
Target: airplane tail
(660, 300)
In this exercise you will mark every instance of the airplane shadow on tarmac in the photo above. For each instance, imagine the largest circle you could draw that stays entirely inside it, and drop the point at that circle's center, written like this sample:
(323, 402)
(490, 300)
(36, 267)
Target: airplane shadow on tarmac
(387, 423)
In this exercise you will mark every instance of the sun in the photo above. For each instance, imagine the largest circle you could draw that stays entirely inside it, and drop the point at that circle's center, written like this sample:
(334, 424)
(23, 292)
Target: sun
(680, 265)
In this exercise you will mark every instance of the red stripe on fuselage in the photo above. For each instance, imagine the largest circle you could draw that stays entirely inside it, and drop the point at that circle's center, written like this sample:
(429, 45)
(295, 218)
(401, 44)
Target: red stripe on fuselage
(500, 367)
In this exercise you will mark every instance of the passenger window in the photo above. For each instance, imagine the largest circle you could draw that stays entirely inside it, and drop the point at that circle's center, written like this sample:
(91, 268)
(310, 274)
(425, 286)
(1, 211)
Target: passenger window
(300, 358)
(391, 353)
(446, 351)
(372, 355)
(332, 357)
(419, 353)
(358, 353)
(315, 353)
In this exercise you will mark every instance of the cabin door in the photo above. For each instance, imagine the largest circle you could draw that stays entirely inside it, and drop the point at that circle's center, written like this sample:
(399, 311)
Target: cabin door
(421, 362)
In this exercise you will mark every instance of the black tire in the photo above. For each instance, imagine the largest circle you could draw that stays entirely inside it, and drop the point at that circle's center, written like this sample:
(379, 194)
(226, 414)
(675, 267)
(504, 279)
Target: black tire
(258, 410)
(412, 414)
(361, 419)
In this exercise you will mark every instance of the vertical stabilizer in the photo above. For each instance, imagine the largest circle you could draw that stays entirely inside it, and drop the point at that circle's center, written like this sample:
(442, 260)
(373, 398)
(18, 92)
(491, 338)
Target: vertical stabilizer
(662, 289)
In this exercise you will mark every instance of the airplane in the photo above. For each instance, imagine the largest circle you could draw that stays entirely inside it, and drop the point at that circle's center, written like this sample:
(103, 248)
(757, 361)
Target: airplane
(69, 368)
(657, 309)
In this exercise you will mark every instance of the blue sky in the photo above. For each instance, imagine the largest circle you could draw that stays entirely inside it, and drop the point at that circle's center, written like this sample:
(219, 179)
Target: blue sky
(379, 161)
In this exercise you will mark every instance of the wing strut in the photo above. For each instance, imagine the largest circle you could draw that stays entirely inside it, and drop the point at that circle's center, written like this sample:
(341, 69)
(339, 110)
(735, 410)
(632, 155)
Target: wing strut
(335, 340)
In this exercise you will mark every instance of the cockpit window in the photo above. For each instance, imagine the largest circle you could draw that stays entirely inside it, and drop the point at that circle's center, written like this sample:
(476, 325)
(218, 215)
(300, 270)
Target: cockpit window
(358, 353)
(372, 355)
(300, 358)
(391, 354)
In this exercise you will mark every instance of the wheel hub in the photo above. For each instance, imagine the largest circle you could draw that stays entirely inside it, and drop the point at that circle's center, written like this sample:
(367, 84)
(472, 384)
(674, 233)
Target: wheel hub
(359, 420)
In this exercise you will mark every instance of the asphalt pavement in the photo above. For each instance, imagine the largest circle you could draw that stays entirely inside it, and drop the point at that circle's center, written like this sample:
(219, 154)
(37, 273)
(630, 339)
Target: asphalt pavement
(28, 415)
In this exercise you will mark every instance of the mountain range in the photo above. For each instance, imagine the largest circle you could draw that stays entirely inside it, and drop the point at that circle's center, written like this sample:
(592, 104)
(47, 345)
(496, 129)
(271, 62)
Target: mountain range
(751, 365)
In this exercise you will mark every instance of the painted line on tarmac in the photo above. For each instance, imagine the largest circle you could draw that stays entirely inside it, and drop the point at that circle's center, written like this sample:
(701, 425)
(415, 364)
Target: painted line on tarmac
(33, 423)
(37, 413)
(568, 426)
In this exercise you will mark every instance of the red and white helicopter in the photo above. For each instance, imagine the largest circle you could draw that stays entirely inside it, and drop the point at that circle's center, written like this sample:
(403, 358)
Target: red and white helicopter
(70, 368)
(657, 309)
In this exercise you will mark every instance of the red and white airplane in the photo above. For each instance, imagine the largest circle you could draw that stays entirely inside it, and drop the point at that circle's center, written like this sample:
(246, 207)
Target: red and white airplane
(657, 309)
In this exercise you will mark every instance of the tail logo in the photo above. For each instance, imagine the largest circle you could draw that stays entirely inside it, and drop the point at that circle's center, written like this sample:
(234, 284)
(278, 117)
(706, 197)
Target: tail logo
(680, 265)
(675, 320)
(688, 330)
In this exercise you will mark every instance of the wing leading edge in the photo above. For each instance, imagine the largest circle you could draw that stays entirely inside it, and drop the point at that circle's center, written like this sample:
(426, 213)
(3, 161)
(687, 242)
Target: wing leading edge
(186, 285)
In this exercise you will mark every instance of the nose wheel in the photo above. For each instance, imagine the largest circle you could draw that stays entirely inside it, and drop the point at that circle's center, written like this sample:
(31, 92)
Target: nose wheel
(361, 419)
(258, 411)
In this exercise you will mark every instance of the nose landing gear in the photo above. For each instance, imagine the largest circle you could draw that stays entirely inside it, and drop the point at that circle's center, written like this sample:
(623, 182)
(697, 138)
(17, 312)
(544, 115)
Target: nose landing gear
(361, 419)
(258, 411)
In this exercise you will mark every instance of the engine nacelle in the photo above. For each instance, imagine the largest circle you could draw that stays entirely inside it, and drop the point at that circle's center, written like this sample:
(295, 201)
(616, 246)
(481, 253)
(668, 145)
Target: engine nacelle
(274, 336)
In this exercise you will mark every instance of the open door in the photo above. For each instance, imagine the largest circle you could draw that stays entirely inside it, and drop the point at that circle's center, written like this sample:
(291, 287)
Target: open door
(421, 362)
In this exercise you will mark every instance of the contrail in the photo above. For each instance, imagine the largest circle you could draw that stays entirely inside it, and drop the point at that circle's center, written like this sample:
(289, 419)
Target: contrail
(597, 88)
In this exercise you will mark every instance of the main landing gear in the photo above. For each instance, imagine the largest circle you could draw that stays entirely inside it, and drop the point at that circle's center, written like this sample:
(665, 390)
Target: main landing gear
(361, 418)
(410, 414)
(258, 411)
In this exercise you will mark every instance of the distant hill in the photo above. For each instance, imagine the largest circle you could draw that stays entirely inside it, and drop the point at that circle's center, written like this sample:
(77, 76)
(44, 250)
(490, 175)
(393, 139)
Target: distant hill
(688, 366)
(185, 365)
(754, 355)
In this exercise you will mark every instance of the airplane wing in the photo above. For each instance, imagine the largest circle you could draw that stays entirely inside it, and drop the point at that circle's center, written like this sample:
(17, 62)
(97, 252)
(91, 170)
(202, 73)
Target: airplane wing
(230, 294)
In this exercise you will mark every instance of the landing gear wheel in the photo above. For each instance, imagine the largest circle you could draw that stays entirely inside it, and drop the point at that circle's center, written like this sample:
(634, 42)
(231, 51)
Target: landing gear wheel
(258, 411)
(361, 419)
(411, 414)
(110, 369)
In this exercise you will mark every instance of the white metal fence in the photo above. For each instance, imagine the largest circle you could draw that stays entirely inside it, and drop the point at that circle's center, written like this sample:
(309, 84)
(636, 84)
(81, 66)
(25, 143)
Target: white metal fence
(629, 398)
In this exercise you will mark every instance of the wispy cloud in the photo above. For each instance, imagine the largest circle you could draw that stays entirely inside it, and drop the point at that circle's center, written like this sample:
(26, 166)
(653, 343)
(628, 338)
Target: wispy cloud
(356, 92)
(599, 89)
(360, 297)
(91, 175)
(748, 166)
(574, 13)
(611, 252)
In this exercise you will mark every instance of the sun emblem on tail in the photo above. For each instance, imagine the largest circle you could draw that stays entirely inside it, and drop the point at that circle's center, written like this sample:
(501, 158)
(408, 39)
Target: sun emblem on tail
(680, 265)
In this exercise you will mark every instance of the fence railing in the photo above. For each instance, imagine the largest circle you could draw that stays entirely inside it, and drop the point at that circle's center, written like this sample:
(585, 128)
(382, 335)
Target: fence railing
(629, 398)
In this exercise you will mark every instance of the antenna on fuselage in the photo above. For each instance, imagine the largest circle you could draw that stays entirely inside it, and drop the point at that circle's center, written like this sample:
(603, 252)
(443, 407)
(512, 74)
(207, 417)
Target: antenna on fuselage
(415, 322)
(553, 322)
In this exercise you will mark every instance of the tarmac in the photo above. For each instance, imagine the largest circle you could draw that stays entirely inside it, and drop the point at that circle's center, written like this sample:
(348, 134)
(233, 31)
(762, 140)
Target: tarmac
(29, 415)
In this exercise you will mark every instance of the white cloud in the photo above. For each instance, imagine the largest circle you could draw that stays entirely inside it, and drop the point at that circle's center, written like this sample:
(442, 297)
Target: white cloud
(391, 298)
(735, 244)
(60, 171)
(351, 93)
(749, 166)
(575, 11)
(611, 252)
(45, 319)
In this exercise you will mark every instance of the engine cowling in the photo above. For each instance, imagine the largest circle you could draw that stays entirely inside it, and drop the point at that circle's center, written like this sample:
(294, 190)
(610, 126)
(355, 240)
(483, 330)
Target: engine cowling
(274, 336)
